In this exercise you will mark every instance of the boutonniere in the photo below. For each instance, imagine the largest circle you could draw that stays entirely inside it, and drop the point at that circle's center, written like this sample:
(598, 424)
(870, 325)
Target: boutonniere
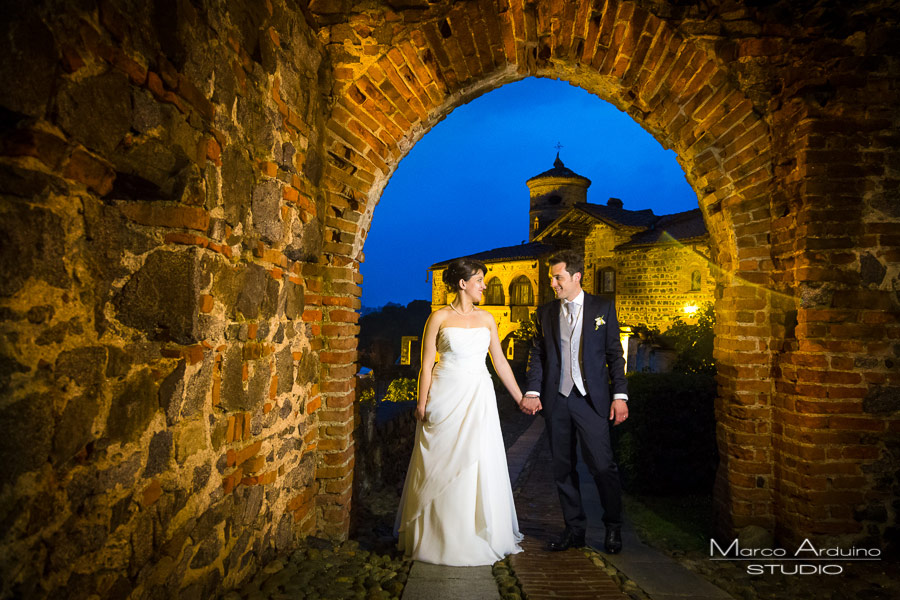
(598, 322)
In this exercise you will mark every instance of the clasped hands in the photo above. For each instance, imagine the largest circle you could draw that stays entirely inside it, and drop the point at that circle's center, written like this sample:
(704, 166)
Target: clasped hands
(530, 404)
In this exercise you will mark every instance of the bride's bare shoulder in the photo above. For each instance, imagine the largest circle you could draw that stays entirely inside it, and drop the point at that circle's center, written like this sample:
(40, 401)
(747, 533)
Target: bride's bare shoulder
(439, 316)
(485, 318)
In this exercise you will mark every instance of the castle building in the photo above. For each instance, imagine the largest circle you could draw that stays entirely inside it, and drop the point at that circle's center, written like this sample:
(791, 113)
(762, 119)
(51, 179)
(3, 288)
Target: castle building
(655, 267)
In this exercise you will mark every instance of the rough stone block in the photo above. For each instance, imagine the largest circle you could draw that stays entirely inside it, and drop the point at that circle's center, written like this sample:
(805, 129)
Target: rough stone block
(251, 291)
(159, 453)
(162, 298)
(266, 209)
(97, 111)
(234, 397)
(190, 438)
(133, 408)
(37, 236)
(28, 436)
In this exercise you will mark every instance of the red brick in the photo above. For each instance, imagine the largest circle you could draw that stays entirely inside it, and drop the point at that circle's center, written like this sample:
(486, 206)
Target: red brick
(46, 147)
(151, 494)
(332, 444)
(247, 452)
(229, 432)
(312, 315)
(194, 354)
(313, 404)
(90, 171)
(334, 472)
(345, 316)
(190, 239)
(336, 458)
(267, 477)
(156, 214)
(254, 464)
(217, 388)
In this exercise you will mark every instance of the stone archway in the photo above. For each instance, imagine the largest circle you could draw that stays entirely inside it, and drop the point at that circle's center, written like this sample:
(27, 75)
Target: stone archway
(398, 73)
(671, 85)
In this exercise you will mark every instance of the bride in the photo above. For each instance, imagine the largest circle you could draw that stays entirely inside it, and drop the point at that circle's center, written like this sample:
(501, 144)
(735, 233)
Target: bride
(457, 504)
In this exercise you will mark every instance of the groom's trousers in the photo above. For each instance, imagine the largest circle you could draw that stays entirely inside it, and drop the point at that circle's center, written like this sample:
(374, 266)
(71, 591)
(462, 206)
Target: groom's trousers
(574, 418)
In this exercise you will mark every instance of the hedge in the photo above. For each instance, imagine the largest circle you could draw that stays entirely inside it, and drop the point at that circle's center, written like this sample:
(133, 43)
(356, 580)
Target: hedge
(668, 443)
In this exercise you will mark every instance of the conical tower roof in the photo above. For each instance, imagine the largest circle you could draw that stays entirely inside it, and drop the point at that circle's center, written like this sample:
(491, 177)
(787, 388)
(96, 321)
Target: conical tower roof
(559, 170)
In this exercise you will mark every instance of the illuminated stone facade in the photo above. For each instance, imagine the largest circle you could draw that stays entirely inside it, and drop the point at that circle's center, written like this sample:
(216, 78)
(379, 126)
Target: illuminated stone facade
(654, 267)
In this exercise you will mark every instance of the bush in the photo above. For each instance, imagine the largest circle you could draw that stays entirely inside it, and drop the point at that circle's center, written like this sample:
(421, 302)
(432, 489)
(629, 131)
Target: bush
(668, 443)
(402, 390)
(693, 344)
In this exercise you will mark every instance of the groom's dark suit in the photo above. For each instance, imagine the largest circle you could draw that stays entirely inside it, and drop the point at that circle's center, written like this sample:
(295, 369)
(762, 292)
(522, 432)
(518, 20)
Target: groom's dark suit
(587, 417)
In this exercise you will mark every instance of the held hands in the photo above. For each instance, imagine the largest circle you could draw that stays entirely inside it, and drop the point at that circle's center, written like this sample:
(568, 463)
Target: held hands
(618, 411)
(530, 404)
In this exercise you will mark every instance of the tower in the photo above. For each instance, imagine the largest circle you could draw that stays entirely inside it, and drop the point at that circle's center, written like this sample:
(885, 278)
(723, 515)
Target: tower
(552, 193)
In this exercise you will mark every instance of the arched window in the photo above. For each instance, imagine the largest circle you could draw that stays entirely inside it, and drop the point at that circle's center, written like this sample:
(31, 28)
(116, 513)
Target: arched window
(494, 292)
(695, 281)
(535, 224)
(606, 281)
(520, 292)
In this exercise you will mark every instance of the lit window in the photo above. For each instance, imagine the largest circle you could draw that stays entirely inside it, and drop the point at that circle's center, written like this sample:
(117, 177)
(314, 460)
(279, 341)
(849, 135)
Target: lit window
(494, 292)
(606, 281)
(520, 292)
(695, 281)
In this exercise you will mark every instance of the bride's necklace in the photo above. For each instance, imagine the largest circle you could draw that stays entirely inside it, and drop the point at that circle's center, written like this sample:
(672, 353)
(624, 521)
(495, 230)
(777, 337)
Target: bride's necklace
(462, 314)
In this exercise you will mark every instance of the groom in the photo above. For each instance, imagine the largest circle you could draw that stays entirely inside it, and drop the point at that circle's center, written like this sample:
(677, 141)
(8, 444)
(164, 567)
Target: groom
(576, 354)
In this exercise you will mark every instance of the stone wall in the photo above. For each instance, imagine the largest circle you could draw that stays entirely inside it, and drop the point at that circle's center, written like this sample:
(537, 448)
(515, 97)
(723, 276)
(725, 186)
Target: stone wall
(653, 284)
(599, 252)
(164, 295)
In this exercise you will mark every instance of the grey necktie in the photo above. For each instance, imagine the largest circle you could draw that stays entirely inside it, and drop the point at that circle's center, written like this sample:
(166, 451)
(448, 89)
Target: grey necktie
(570, 314)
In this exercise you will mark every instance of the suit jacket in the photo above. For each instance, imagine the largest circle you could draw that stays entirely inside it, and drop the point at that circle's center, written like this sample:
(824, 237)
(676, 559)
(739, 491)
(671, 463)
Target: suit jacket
(602, 362)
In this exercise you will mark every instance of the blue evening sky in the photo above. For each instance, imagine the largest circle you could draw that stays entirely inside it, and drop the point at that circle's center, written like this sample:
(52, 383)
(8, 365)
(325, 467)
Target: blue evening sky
(462, 190)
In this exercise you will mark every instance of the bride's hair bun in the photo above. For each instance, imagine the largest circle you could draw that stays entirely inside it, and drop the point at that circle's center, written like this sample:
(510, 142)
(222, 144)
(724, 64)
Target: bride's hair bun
(461, 268)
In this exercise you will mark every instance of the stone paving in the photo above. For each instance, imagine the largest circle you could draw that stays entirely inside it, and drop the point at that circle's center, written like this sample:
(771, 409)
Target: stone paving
(544, 574)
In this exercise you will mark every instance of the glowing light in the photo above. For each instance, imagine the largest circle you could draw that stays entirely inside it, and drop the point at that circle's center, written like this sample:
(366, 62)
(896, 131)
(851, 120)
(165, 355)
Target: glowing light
(624, 335)
(690, 309)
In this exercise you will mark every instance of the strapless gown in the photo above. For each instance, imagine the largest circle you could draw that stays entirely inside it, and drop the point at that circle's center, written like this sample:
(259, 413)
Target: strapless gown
(457, 503)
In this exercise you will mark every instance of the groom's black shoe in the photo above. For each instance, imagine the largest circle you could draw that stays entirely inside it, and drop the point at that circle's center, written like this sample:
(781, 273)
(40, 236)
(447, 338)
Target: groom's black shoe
(613, 541)
(569, 539)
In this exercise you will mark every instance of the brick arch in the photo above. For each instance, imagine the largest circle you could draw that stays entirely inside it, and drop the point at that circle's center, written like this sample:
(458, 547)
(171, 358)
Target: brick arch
(763, 126)
(676, 89)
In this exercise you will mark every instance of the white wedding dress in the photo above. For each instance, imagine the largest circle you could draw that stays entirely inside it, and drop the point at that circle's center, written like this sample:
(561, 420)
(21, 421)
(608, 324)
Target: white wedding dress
(457, 504)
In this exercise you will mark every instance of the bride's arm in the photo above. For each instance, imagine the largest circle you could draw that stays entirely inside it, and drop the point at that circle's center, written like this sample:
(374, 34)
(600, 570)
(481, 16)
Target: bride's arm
(504, 371)
(429, 351)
